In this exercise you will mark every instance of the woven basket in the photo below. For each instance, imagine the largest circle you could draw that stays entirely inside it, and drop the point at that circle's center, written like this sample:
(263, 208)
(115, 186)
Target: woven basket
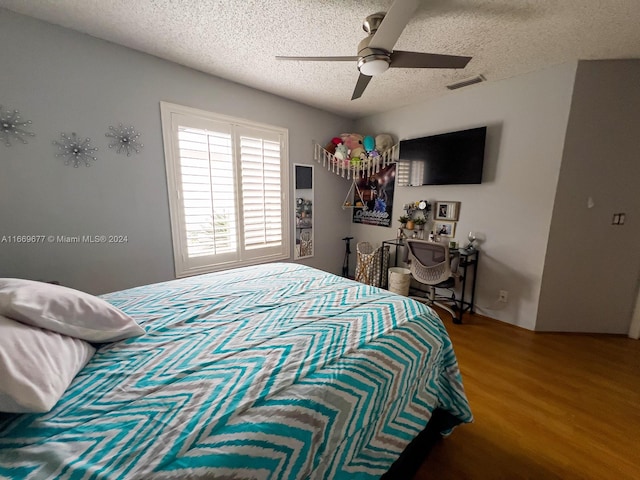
(371, 263)
(399, 280)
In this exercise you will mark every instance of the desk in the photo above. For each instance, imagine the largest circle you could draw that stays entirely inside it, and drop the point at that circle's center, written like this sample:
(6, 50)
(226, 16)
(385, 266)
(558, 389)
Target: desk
(467, 259)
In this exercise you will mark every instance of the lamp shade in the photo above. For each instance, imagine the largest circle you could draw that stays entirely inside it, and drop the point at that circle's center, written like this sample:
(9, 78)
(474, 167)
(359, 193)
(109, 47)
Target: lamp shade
(374, 67)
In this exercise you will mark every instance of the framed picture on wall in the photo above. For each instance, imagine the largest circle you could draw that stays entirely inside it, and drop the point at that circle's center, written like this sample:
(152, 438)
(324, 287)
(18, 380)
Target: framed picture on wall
(447, 211)
(445, 229)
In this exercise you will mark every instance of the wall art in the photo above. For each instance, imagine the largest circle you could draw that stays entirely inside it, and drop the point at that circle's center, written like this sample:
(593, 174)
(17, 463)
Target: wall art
(124, 139)
(376, 193)
(75, 150)
(12, 127)
(445, 229)
(447, 211)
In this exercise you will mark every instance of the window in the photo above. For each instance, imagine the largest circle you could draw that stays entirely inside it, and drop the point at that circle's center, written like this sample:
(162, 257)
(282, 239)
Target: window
(228, 190)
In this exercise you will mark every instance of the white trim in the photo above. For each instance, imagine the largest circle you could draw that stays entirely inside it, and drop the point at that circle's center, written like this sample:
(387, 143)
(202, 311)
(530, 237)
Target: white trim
(294, 214)
(169, 113)
(217, 117)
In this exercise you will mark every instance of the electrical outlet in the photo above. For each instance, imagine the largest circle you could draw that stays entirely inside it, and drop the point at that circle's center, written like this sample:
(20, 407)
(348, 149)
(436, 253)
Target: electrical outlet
(504, 296)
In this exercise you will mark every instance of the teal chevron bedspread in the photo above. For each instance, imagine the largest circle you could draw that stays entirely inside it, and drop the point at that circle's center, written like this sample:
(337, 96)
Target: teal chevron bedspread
(277, 371)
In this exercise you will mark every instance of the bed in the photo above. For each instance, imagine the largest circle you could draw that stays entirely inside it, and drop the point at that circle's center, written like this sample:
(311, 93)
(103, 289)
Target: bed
(276, 371)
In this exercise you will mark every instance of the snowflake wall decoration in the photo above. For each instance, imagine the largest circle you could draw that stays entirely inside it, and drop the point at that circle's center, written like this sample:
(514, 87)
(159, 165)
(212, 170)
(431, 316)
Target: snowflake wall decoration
(75, 150)
(12, 127)
(125, 140)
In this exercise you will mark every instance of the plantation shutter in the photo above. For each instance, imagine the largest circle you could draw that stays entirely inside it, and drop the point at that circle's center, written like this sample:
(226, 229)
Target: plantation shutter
(261, 190)
(227, 187)
(208, 191)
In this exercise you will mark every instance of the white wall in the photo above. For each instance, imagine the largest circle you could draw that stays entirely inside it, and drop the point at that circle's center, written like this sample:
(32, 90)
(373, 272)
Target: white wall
(68, 82)
(512, 208)
(590, 280)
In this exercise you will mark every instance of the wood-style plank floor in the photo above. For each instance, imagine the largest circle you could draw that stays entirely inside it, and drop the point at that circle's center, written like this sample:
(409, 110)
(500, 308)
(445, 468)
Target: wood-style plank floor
(546, 406)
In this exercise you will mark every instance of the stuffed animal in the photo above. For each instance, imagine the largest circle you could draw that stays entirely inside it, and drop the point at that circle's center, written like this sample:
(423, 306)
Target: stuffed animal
(370, 151)
(356, 152)
(352, 140)
(369, 143)
(331, 146)
(384, 142)
(342, 153)
(364, 159)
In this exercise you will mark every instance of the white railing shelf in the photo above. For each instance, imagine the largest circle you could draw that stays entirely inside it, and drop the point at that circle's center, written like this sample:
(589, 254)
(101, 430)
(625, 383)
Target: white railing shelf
(355, 168)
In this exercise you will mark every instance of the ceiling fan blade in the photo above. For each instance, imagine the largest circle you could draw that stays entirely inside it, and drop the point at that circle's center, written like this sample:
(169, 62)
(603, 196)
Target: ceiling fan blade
(321, 59)
(401, 59)
(363, 81)
(393, 24)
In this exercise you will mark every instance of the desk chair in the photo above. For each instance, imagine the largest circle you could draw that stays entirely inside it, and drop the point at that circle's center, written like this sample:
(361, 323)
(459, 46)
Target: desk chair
(431, 264)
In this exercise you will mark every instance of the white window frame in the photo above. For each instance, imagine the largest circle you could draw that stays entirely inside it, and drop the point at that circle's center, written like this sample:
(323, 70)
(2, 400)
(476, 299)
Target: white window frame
(172, 115)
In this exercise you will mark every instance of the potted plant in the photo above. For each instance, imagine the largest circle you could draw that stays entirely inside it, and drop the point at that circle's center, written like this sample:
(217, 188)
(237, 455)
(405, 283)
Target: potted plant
(410, 224)
(403, 220)
(420, 222)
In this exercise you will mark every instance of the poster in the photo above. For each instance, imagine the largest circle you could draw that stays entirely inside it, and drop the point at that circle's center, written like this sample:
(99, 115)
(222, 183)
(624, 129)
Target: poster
(377, 198)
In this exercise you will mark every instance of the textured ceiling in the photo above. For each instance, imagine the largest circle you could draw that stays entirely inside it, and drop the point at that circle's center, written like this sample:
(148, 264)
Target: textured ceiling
(238, 40)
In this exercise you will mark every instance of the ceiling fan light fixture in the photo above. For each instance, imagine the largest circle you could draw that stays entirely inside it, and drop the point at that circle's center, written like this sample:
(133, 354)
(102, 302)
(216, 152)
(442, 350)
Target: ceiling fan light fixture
(376, 54)
(373, 65)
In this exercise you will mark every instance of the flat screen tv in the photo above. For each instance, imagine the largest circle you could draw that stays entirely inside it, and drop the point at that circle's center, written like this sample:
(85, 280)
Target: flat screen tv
(445, 159)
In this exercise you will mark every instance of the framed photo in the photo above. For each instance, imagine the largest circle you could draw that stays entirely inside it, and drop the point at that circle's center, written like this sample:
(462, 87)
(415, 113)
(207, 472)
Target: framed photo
(447, 211)
(445, 229)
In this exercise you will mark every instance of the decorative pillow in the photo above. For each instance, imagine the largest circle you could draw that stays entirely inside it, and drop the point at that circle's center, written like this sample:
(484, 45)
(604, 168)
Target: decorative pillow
(36, 366)
(65, 311)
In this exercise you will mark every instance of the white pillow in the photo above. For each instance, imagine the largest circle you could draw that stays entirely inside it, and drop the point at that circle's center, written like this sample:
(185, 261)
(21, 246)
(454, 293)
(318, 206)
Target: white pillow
(36, 366)
(65, 311)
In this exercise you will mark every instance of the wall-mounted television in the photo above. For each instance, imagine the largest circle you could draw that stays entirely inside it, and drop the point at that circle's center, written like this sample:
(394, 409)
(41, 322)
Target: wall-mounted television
(445, 159)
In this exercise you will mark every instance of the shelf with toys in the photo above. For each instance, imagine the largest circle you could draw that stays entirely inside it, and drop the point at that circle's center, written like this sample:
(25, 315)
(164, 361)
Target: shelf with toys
(354, 156)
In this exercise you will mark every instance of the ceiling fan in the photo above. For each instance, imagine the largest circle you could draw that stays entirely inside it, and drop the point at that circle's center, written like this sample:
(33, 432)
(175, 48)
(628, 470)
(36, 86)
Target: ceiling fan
(376, 54)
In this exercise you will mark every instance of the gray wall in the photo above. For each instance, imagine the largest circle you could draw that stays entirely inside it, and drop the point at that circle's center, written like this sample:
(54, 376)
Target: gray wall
(65, 81)
(590, 279)
(68, 82)
(527, 118)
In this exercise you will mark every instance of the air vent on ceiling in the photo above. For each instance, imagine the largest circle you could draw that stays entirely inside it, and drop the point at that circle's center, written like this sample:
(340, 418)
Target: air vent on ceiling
(466, 82)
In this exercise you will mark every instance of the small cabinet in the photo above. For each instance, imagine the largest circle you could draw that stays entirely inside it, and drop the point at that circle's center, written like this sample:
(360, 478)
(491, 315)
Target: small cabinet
(303, 208)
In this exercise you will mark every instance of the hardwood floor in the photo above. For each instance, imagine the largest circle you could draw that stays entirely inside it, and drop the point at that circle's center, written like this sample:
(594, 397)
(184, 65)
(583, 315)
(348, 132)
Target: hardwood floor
(546, 406)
